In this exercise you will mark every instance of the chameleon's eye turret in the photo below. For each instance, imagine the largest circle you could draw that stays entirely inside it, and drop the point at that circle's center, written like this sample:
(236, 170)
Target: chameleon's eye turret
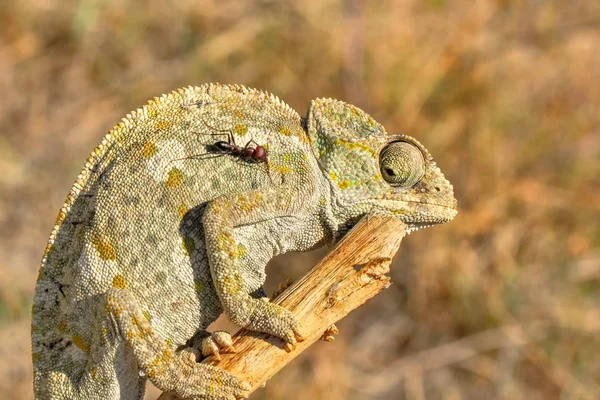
(402, 164)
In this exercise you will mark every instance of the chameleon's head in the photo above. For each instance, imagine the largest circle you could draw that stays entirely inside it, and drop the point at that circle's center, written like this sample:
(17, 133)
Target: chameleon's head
(370, 170)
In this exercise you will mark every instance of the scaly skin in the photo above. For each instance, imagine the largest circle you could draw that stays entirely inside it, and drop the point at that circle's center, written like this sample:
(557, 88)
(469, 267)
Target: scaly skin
(158, 237)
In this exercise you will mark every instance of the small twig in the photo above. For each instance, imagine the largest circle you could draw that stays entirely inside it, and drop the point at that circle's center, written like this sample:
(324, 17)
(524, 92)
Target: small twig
(350, 275)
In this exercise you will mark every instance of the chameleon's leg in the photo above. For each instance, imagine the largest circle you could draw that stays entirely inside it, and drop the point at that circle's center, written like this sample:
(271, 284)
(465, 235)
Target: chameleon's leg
(222, 215)
(169, 370)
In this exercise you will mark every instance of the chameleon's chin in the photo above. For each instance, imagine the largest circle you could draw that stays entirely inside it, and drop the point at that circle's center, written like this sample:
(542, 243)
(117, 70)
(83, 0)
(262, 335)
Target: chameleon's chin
(441, 214)
(445, 214)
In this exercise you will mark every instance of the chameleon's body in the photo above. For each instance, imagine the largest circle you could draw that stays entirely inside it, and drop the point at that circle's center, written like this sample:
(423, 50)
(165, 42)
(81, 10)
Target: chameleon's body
(157, 237)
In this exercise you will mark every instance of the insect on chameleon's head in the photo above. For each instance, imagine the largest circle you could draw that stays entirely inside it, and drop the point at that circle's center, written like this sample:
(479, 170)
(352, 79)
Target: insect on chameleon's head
(369, 169)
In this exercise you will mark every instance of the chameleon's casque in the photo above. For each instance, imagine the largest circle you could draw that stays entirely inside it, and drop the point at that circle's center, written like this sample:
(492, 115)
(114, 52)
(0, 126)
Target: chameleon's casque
(159, 236)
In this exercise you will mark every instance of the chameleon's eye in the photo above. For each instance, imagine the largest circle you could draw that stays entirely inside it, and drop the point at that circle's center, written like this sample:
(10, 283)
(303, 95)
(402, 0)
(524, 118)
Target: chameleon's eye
(402, 164)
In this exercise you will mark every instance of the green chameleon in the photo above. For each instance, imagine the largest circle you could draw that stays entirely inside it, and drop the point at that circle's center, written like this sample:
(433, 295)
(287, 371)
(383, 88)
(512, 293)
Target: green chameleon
(158, 237)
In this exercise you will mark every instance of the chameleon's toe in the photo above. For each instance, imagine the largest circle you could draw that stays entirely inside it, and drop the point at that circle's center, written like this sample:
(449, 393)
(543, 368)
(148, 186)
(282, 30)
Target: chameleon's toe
(329, 334)
(224, 340)
(217, 341)
(292, 337)
(277, 321)
(299, 337)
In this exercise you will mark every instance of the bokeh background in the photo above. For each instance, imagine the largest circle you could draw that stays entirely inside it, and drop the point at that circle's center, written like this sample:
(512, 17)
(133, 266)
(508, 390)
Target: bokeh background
(502, 303)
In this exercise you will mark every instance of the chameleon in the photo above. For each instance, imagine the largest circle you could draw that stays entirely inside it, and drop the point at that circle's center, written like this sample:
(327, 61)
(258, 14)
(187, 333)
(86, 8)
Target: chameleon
(153, 243)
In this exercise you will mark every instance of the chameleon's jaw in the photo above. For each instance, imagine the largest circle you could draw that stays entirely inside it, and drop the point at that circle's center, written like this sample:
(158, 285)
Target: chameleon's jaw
(417, 214)
(441, 215)
(422, 215)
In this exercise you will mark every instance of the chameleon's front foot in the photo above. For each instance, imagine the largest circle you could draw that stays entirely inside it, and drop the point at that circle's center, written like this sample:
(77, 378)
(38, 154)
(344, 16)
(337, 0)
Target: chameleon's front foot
(273, 319)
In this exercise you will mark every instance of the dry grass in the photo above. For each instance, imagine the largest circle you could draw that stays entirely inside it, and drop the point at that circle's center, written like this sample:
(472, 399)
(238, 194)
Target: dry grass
(503, 303)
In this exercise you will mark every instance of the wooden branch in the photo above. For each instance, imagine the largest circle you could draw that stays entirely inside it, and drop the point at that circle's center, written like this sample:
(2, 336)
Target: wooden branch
(350, 275)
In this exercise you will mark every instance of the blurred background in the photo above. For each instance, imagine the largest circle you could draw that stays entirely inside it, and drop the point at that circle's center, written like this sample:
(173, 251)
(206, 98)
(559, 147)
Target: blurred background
(502, 303)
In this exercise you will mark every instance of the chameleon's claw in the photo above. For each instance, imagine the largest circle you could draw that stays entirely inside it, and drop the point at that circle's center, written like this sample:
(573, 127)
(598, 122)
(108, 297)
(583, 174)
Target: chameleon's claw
(329, 334)
(293, 338)
(230, 349)
(299, 337)
(289, 347)
(210, 348)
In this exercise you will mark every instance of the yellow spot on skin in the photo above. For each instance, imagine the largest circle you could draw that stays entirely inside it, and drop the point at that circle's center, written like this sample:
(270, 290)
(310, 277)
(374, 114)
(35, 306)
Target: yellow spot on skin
(241, 129)
(285, 131)
(333, 176)
(354, 146)
(113, 308)
(217, 207)
(355, 111)
(158, 366)
(278, 310)
(149, 149)
(152, 112)
(105, 249)
(62, 327)
(169, 342)
(119, 282)
(78, 341)
(163, 124)
(146, 315)
(188, 245)
(181, 210)
(143, 329)
(344, 184)
(175, 178)
(284, 169)
(226, 243)
(249, 203)
(241, 251)
(232, 283)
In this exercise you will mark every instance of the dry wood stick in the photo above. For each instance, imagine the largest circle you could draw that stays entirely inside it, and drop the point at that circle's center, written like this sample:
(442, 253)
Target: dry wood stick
(350, 275)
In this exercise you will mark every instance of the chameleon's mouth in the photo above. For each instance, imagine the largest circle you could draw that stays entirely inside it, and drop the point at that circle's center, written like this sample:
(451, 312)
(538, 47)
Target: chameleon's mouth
(414, 228)
(431, 214)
